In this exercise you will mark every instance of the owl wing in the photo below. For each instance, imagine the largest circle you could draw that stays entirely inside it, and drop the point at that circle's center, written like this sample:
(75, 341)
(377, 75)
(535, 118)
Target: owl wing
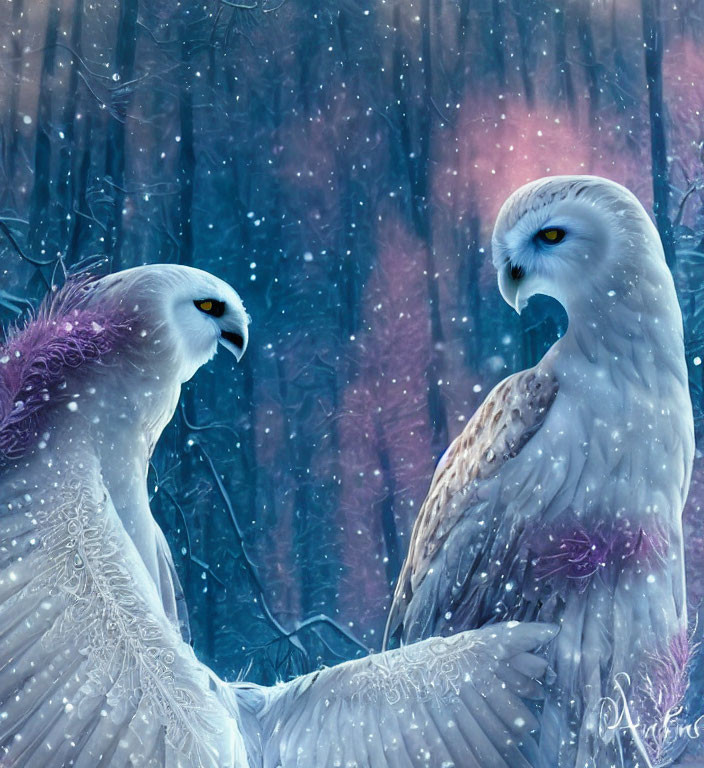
(441, 702)
(459, 524)
(92, 671)
(94, 674)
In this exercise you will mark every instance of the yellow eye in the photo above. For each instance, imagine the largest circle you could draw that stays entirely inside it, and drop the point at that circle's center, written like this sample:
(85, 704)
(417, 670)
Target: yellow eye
(551, 236)
(213, 307)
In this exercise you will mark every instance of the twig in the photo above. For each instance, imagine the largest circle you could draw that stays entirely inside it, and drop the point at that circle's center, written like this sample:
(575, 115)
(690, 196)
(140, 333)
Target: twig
(15, 246)
(179, 509)
(440, 114)
(202, 427)
(272, 10)
(321, 618)
(207, 569)
(189, 552)
(694, 187)
(232, 4)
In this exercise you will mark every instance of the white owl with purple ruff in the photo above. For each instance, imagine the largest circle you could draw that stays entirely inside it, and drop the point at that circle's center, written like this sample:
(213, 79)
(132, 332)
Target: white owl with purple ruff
(562, 498)
(94, 670)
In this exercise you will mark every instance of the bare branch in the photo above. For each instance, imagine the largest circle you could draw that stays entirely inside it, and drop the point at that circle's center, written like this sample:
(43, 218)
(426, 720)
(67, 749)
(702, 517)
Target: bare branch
(694, 187)
(290, 635)
(276, 8)
(239, 5)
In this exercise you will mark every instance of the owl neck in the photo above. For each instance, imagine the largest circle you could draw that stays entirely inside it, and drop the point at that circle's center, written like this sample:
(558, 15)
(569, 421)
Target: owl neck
(134, 423)
(124, 429)
(623, 410)
(630, 333)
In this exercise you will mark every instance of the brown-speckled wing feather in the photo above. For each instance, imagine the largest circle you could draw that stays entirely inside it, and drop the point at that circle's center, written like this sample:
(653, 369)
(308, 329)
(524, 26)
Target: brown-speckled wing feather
(511, 414)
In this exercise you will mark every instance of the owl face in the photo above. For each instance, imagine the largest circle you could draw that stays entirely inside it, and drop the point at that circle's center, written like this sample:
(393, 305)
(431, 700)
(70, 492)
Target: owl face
(181, 316)
(569, 238)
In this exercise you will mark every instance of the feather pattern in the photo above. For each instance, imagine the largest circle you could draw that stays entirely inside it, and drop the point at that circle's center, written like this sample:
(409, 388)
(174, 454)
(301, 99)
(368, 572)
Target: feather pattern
(570, 554)
(358, 714)
(498, 431)
(93, 668)
(582, 525)
(37, 358)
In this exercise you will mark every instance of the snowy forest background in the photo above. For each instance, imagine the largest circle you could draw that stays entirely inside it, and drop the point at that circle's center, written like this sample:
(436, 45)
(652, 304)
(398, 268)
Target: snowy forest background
(340, 163)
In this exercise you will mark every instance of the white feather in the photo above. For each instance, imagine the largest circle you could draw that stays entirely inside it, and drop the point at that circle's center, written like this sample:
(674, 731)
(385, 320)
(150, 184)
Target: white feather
(93, 667)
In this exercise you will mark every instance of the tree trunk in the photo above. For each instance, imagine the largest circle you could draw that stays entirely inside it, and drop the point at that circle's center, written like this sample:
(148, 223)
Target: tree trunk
(387, 516)
(591, 65)
(521, 9)
(498, 41)
(562, 64)
(187, 162)
(39, 214)
(462, 67)
(16, 48)
(417, 162)
(123, 67)
(67, 180)
(81, 168)
(654, 44)
(474, 294)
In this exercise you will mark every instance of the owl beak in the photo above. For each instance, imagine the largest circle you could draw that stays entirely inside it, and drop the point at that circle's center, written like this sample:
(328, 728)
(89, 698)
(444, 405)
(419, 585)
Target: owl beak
(511, 280)
(235, 340)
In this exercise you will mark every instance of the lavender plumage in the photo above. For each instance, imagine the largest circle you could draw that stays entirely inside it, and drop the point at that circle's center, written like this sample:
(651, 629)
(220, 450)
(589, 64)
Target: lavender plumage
(573, 554)
(38, 358)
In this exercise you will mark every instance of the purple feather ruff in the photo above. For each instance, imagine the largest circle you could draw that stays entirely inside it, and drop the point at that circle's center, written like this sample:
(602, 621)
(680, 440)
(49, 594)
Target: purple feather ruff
(577, 554)
(37, 358)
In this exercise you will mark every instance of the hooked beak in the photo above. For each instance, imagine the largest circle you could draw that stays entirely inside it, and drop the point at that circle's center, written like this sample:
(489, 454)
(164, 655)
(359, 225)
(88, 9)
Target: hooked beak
(235, 340)
(512, 281)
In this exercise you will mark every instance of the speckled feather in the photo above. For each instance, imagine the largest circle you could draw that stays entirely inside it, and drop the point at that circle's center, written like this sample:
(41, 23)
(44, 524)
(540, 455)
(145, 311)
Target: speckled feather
(662, 693)
(496, 433)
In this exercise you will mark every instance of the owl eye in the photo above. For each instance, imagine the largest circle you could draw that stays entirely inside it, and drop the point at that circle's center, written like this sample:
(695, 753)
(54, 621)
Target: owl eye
(551, 236)
(211, 307)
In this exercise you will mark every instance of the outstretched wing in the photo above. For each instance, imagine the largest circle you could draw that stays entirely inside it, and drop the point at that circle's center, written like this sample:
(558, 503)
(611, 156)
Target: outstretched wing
(442, 702)
(454, 532)
(92, 672)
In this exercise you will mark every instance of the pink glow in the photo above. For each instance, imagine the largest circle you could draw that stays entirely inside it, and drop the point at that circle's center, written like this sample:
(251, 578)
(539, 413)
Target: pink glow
(497, 146)
(385, 418)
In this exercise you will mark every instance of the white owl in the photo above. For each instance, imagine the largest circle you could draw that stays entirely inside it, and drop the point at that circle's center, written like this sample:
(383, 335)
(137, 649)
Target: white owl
(562, 498)
(93, 669)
